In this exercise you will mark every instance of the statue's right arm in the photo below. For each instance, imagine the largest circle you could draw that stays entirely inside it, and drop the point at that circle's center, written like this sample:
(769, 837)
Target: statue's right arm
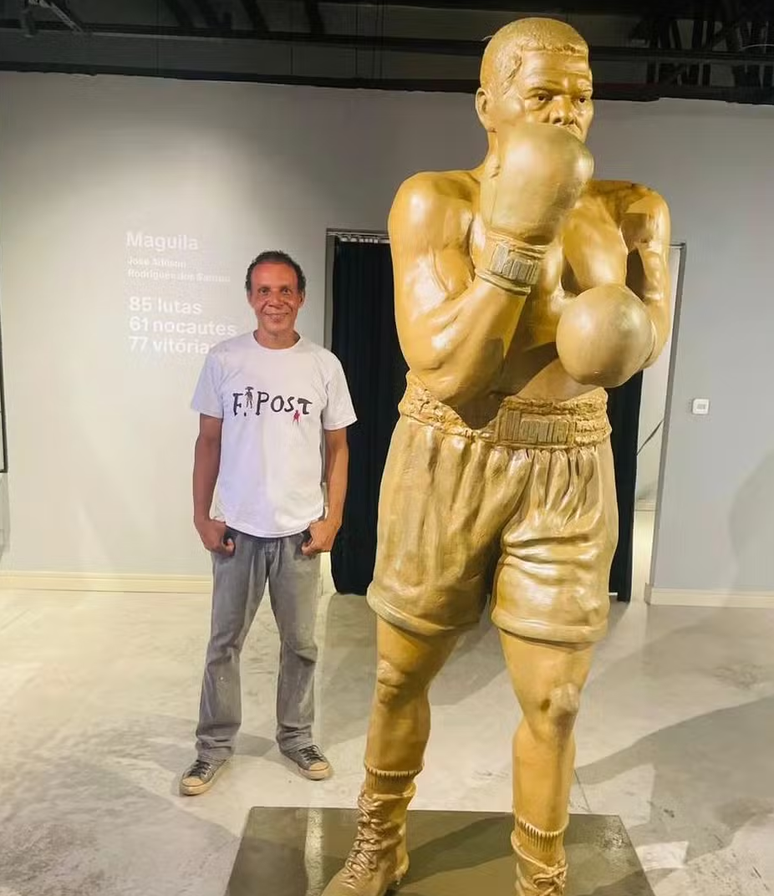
(455, 328)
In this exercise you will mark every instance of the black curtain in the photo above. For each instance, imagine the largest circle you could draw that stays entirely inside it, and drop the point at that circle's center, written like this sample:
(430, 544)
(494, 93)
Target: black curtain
(624, 412)
(365, 340)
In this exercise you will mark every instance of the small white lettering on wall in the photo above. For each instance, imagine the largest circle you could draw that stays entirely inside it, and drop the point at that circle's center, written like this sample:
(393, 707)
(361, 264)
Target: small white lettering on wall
(178, 299)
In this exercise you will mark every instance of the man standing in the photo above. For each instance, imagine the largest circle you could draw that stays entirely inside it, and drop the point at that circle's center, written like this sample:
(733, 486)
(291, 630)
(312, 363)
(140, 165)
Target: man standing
(521, 288)
(268, 402)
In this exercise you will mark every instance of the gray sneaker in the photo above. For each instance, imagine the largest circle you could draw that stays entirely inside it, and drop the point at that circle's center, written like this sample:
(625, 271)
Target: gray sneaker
(310, 762)
(200, 777)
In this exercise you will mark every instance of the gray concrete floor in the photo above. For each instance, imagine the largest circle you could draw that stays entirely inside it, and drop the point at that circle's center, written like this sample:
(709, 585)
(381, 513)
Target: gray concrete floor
(98, 702)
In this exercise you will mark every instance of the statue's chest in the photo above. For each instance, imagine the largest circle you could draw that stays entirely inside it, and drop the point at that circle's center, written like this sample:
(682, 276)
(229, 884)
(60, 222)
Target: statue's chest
(590, 252)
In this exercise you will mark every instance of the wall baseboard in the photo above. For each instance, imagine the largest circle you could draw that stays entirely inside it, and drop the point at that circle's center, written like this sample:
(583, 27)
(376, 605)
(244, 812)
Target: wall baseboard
(69, 581)
(742, 600)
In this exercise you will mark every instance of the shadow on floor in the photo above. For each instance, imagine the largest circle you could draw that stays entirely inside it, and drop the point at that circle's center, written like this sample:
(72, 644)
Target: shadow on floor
(712, 775)
(713, 766)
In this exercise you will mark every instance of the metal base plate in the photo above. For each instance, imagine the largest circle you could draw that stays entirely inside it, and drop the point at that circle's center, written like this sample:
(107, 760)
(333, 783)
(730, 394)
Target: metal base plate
(295, 852)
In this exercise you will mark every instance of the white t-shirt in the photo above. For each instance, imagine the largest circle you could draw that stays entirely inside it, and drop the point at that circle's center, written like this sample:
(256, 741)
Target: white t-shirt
(274, 404)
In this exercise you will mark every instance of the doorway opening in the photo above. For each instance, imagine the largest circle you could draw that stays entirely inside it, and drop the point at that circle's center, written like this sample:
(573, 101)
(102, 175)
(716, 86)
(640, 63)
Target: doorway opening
(652, 436)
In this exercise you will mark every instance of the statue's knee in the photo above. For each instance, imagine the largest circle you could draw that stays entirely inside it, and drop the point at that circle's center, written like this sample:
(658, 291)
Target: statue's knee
(559, 711)
(393, 685)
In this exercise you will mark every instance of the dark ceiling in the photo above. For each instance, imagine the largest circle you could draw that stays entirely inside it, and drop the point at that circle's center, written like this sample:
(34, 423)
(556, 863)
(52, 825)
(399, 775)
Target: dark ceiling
(704, 49)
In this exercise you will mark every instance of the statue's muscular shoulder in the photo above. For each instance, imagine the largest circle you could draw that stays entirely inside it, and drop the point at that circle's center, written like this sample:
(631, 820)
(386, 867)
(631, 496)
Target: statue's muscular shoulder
(439, 208)
(434, 208)
(638, 211)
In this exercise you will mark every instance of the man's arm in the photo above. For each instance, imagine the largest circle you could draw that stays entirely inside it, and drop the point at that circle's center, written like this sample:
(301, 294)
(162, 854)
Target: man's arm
(455, 328)
(646, 230)
(205, 475)
(323, 532)
(336, 471)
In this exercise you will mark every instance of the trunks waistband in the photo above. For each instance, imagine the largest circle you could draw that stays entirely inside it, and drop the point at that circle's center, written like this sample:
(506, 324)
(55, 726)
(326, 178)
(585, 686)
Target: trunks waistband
(519, 422)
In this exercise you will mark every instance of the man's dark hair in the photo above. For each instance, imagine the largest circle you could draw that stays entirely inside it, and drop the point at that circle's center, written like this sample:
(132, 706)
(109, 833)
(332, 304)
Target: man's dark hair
(275, 256)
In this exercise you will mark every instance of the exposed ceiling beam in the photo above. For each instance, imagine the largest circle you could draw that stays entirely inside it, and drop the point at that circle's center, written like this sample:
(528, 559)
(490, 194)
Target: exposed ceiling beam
(529, 6)
(180, 13)
(697, 34)
(257, 20)
(635, 8)
(737, 39)
(611, 91)
(433, 46)
(208, 14)
(751, 10)
(314, 17)
(62, 11)
(27, 21)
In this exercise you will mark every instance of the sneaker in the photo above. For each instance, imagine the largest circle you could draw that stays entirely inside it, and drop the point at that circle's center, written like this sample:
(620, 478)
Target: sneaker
(310, 761)
(199, 777)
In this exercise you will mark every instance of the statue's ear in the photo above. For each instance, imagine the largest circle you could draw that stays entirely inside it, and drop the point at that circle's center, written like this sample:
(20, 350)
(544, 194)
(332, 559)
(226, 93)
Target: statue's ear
(483, 105)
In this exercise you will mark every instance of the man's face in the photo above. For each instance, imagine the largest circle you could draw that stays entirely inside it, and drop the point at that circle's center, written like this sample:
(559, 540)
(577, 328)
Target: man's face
(549, 88)
(274, 297)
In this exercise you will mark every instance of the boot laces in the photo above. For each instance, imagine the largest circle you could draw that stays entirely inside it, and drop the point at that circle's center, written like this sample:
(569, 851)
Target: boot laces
(552, 880)
(370, 840)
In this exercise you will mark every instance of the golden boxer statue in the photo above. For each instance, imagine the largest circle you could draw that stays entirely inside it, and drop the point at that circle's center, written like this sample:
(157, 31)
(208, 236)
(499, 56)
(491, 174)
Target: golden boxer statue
(521, 288)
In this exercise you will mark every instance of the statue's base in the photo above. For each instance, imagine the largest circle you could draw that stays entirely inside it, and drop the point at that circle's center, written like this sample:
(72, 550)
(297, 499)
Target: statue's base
(295, 852)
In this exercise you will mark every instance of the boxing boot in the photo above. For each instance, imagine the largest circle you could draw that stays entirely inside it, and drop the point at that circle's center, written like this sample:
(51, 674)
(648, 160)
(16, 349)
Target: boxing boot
(378, 859)
(534, 877)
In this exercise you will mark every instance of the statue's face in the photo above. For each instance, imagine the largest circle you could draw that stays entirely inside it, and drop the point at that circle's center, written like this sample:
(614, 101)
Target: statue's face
(549, 88)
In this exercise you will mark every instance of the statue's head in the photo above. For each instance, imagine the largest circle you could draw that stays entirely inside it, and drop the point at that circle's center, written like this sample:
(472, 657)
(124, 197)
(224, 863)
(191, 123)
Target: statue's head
(536, 70)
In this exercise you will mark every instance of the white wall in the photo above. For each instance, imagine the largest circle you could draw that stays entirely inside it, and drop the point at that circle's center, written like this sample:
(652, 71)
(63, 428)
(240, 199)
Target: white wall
(100, 439)
(713, 162)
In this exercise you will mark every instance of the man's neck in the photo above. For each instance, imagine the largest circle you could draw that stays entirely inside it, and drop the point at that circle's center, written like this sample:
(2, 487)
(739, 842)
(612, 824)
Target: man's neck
(275, 341)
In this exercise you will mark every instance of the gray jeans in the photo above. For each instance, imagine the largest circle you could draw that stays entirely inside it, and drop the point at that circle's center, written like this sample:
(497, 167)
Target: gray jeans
(239, 583)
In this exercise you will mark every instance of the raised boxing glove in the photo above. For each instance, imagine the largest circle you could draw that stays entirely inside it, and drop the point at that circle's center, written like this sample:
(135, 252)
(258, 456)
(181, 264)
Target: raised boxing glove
(535, 179)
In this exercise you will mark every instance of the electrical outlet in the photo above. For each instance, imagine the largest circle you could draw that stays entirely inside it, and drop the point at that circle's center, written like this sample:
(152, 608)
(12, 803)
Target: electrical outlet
(700, 406)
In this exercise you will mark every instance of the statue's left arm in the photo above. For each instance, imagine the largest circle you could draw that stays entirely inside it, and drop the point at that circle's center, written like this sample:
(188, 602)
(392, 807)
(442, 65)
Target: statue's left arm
(646, 229)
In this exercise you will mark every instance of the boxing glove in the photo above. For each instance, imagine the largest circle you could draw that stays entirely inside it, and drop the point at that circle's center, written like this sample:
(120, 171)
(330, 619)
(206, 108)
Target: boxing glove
(527, 189)
(604, 336)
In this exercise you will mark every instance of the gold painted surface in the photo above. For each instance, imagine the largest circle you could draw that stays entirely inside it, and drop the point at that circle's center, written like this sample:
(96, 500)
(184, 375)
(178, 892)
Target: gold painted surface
(523, 287)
